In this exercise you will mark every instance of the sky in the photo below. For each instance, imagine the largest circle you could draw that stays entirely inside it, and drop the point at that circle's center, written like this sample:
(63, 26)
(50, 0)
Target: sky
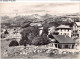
(28, 8)
(48, 0)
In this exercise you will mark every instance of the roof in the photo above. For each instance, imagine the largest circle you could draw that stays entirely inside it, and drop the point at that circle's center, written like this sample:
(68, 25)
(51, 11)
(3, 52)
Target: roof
(34, 24)
(77, 23)
(63, 26)
(52, 27)
(63, 39)
(41, 28)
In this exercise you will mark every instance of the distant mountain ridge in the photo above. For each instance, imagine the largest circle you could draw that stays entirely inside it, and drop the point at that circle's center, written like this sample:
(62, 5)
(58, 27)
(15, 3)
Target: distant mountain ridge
(37, 18)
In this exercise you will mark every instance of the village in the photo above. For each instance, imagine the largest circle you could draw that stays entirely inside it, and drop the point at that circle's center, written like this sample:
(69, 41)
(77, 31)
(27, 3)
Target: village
(63, 38)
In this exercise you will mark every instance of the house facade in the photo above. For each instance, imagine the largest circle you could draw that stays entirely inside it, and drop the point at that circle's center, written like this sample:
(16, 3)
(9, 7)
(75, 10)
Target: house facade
(64, 30)
(76, 30)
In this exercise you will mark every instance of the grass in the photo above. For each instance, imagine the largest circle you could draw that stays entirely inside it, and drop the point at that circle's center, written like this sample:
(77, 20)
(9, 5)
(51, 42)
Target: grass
(5, 46)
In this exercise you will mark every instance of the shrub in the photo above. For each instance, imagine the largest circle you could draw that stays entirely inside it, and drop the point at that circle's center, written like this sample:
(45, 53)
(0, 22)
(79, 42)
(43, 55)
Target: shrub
(23, 42)
(41, 40)
(13, 43)
(6, 32)
(37, 40)
(45, 39)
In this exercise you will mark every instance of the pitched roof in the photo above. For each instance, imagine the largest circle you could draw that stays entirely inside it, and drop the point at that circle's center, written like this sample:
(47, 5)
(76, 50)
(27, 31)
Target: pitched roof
(63, 26)
(63, 39)
(77, 23)
(33, 24)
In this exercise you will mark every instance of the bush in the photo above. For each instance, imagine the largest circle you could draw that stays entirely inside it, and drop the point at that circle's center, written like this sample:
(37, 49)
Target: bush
(13, 43)
(23, 42)
(41, 40)
(45, 39)
(37, 40)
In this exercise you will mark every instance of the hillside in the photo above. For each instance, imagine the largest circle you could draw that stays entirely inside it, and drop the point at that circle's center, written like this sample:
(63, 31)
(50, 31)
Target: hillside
(20, 20)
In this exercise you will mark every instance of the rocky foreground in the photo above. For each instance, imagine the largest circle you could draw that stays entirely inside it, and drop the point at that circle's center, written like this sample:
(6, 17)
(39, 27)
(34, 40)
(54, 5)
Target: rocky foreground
(37, 51)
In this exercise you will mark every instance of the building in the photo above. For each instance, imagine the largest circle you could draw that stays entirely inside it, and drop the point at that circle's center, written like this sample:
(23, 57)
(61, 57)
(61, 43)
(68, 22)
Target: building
(64, 30)
(63, 42)
(40, 30)
(76, 30)
(36, 24)
(51, 30)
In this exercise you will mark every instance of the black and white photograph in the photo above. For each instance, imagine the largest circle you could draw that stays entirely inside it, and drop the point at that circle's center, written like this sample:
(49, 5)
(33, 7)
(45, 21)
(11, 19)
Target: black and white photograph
(40, 30)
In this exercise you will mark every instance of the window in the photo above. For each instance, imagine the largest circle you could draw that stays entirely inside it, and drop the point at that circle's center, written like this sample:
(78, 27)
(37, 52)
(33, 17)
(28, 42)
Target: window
(76, 31)
(73, 31)
(67, 33)
(64, 33)
(66, 46)
(68, 30)
(61, 29)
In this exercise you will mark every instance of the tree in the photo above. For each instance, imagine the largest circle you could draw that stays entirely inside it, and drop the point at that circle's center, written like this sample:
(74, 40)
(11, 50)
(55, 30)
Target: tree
(24, 40)
(36, 40)
(45, 39)
(6, 32)
(40, 40)
(36, 30)
(45, 30)
(5, 17)
(13, 43)
(21, 42)
(28, 34)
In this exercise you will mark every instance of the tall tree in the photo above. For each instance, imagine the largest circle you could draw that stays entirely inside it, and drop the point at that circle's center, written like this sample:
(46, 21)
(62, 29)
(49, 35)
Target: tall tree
(29, 33)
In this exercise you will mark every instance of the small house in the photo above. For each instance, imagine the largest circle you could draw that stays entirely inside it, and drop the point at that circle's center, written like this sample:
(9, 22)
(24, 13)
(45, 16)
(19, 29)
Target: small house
(63, 42)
